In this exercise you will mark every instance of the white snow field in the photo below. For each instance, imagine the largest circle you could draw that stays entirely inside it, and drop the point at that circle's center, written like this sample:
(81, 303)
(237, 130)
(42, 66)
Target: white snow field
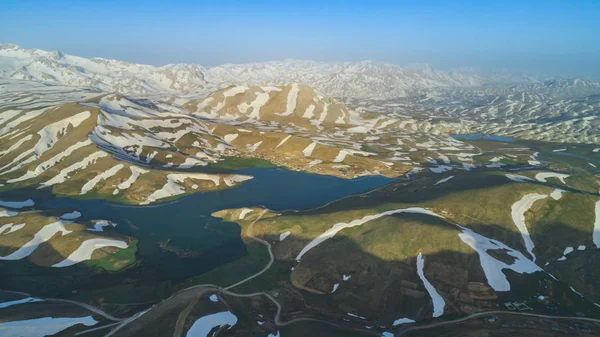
(136, 172)
(203, 325)
(243, 213)
(557, 194)
(444, 180)
(98, 225)
(10, 227)
(518, 178)
(402, 321)
(21, 301)
(518, 211)
(542, 176)
(493, 267)
(438, 301)
(4, 213)
(284, 235)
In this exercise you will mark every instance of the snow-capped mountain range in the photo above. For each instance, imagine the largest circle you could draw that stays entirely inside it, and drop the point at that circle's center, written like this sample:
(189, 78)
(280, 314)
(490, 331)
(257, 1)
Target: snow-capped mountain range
(344, 79)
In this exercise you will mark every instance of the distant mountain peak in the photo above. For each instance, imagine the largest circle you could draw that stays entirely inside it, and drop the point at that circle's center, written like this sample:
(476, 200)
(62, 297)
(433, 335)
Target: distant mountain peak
(363, 79)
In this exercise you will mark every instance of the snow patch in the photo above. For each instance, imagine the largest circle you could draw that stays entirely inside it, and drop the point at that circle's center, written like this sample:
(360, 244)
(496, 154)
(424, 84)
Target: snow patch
(21, 301)
(542, 176)
(518, 211)
(282, 236)
(518, 178)
(283, 141)
(10, 227)
(444, 180)
(230, 137)
(556, 194)
(243, 213)
(438, 301)
(309, 149)
(203, 325)
(402, 321)
(98, 225)
(6, 213)
(493, 267)
(102, 176)
(136, 172)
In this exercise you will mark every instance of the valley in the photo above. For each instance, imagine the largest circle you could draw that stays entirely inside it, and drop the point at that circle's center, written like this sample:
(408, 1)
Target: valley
(255, 200)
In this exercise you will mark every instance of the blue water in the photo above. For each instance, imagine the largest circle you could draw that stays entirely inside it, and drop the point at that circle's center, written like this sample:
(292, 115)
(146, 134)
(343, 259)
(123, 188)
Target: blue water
(477, 136)
(186, 223)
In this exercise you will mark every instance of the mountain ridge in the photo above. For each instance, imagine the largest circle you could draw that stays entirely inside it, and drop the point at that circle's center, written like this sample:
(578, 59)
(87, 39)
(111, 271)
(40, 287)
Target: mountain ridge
(336, 79)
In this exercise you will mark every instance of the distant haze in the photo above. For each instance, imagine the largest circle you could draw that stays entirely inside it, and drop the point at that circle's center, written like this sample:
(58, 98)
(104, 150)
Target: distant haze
(555, 38)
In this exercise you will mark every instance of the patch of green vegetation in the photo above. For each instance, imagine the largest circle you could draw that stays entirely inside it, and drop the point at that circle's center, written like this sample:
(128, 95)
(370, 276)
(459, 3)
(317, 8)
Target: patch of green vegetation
(256, 258)
(278, 272)
(118, 294)
(584, 181)
(117, 261)
(563, 223)
(508, 161)
(236, 163)
(95, 195)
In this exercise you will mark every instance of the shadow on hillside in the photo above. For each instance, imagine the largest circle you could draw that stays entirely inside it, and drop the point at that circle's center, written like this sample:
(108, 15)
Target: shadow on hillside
(378, 289)
(382, 288)
(423, 189)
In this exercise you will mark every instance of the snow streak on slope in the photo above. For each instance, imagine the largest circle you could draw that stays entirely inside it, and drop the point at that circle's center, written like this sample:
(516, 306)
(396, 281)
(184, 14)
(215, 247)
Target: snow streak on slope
(51, 162)
(203, 325)
(102, 176)
(438, 301)
(40, 237)
(493, 267)
(136, 172)
(63, 175)
(518, 211)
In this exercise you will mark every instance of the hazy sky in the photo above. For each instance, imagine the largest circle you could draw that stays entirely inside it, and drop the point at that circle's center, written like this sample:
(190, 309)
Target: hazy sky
(554, 37)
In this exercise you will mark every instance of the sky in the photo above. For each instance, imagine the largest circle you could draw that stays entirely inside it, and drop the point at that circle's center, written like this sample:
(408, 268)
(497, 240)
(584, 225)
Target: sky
(558, 38)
